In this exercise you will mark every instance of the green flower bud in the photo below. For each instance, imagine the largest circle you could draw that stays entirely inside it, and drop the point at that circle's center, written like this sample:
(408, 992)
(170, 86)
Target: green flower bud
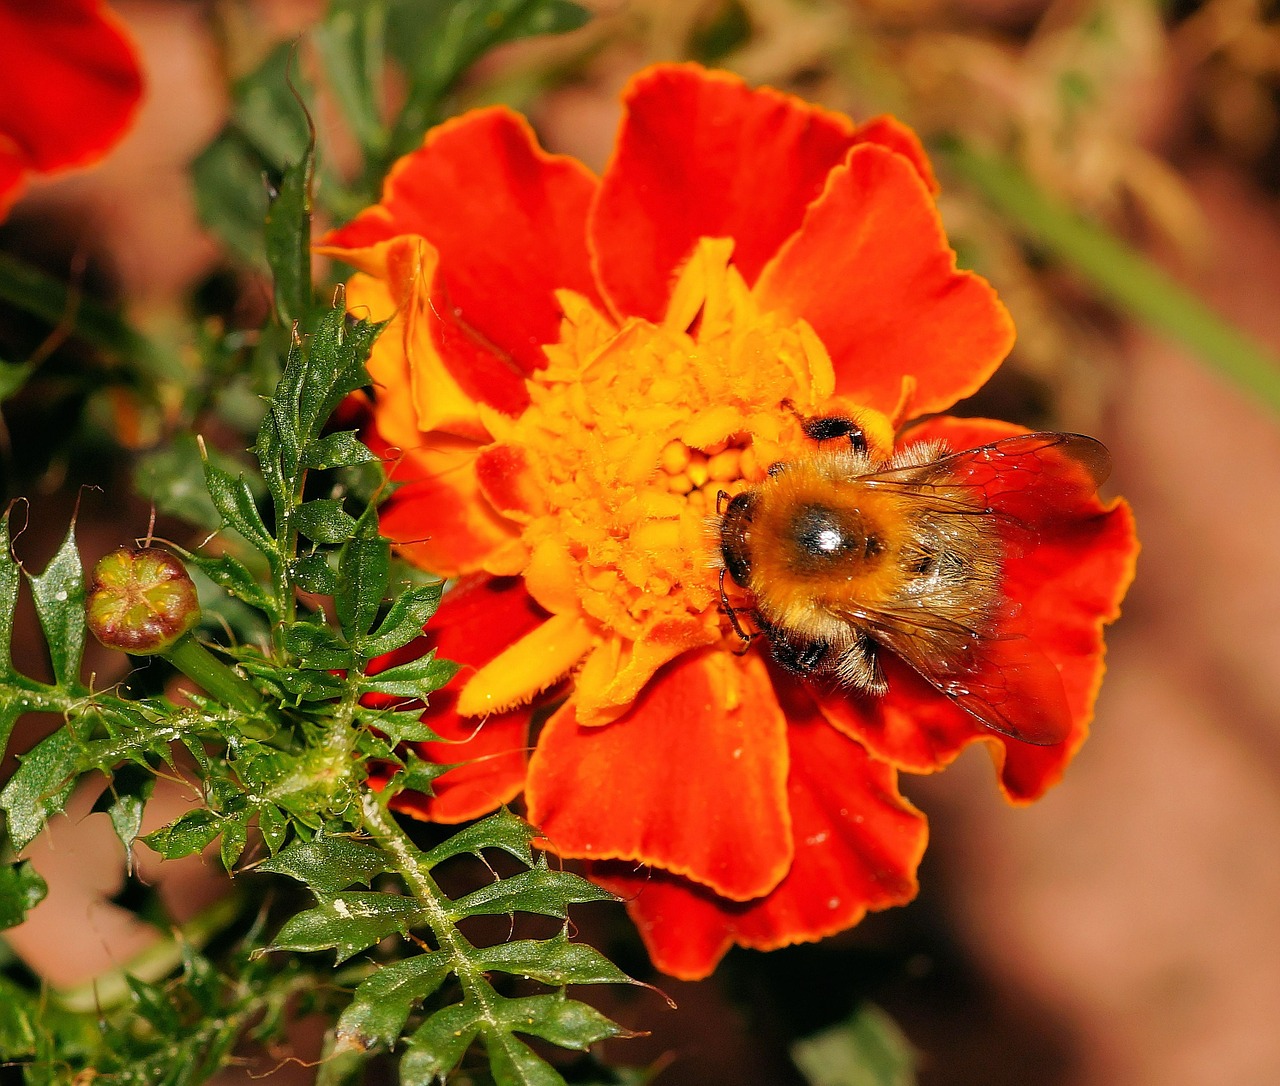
(141, 601)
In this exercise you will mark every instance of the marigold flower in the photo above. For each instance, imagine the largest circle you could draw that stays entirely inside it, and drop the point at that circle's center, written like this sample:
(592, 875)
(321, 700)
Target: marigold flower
(578, 365)
(69, 87)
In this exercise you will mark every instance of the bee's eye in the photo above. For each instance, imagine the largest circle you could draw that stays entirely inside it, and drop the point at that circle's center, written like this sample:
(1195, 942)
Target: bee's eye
(830, 427)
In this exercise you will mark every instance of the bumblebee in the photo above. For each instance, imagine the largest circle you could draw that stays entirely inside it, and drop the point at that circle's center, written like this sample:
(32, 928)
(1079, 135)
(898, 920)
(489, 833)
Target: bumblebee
(845, 559)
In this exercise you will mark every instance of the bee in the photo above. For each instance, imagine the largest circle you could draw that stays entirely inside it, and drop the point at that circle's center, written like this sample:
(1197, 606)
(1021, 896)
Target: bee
(846, 558)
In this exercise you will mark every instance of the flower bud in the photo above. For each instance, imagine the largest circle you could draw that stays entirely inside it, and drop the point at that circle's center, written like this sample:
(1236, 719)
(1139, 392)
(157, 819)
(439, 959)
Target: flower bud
(141, 601)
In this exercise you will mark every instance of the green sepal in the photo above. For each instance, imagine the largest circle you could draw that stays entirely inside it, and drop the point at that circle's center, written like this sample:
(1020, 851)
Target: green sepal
(59, 598)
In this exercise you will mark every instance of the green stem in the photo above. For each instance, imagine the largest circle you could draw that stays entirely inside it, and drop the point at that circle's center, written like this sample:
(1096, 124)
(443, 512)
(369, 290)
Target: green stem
(1119, 273)
(53, 301)
(213, 676)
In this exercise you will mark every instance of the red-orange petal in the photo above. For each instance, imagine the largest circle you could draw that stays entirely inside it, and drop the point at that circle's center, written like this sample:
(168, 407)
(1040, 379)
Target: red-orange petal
(509, 223)
(69, 86)
(858, 843)
(691, 779)
(477, 619)
(1068, 587)
(700, 154)
(870, 269)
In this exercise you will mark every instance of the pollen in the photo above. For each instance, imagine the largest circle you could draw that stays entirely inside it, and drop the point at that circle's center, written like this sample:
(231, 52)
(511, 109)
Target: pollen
(631, 433)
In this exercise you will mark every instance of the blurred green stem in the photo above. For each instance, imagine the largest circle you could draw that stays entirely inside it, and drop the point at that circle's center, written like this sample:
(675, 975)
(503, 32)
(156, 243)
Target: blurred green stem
(1120, 274)
(67, 307)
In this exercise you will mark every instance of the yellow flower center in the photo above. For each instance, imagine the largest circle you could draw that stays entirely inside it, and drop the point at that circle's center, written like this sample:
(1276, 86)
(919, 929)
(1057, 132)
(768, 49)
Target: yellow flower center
(632, 433)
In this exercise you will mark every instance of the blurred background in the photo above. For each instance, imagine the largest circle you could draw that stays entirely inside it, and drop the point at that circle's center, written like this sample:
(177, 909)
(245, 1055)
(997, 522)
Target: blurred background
(1125, 930)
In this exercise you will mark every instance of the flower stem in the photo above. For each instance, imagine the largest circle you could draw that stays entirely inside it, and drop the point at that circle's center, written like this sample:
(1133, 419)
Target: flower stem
(213, 676)
(1118, 272)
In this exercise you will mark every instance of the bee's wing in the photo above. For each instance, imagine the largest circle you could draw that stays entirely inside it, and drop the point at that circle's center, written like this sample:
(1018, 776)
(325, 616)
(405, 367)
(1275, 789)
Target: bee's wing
(1004, 682)
(1031, 477)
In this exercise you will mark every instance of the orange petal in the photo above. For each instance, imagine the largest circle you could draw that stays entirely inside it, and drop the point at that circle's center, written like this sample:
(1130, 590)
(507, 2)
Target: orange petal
(538, 660)
(870, 269)
(509, 222)
(69, 87)
(857, 846)
(477, 619)
(509, 483)
(437, 516)
(692, 779)
(618, 670)
(691, 161)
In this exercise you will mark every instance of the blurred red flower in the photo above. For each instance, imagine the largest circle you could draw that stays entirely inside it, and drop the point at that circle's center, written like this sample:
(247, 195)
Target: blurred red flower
(577, 365)
(69, 86)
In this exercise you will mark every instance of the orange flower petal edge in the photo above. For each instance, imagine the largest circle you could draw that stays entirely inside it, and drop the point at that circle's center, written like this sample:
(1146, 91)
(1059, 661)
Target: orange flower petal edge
(660, 337)
(69, 86)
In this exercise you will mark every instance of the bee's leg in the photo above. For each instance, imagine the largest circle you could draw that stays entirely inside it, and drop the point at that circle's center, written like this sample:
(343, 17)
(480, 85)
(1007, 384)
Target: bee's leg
(822, 428)
(732, 612)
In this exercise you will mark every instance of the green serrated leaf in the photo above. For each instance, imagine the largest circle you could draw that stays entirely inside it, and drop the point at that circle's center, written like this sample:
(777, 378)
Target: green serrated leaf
(9, 581)
(438, 1044)
(418, 775)
(288, 238)
(404, 620)
(40, 786)
(234, 576)
(273, 825)
(59, 598)
(538, 890)
(153, 1006)
(383, 1001)
(188, 833)
(313, 573)
(231, 199)
(19, 1013)
(399, 726)
(363, 570)
(235, 835)
(514, 1063)
(21, 890)
(867, 1049)
(555, 961)
(13, 375)
(329, 864)
(235, 504)
(351, 42)
(325, 521)
(412, 679)
(342, 449)
(562, 1021)
(349, 922)
(317, 646)
(502, 830)
(124, 800)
